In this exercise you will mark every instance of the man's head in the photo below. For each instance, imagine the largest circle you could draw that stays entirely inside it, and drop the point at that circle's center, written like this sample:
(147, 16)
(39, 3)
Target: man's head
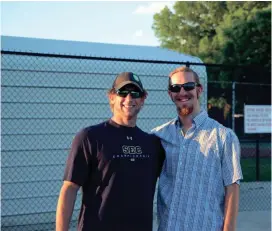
(126, 96)
(184, 89)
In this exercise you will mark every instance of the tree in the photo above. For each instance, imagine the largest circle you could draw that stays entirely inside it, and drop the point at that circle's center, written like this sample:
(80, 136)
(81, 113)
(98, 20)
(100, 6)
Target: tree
(249, 42)
(218, 32)
(192, 21)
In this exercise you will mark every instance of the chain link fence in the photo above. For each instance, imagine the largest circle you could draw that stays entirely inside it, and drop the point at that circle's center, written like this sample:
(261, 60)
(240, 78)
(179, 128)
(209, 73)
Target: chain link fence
(226, 102)
(47, 98)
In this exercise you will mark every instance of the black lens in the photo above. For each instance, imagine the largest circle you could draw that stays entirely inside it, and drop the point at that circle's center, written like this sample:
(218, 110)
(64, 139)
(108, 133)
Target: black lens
(175, 88)
(189, 86)
(122, 93)
(135, 94)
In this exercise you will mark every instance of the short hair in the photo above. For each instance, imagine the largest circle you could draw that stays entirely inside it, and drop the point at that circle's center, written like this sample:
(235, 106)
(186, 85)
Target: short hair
(183, 69)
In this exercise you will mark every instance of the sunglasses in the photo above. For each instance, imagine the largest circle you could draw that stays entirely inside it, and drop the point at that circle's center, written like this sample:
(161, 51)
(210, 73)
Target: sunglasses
(186, 86)
(134, 94)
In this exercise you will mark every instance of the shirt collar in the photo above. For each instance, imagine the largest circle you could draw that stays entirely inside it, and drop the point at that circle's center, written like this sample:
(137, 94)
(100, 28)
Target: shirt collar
(197, 120)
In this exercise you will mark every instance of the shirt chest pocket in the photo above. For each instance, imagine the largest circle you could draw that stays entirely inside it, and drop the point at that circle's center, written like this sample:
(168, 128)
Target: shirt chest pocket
(211, 155)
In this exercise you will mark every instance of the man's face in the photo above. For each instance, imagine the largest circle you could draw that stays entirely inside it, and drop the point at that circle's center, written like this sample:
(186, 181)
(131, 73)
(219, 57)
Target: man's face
(126, 107)
(186, 101)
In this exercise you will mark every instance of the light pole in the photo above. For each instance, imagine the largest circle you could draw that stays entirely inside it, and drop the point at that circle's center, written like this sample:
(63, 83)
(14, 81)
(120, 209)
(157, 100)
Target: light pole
(233, 105)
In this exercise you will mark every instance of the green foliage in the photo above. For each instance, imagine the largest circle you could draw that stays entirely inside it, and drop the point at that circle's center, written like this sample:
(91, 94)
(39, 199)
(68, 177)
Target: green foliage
(219, 32)
(250, 41)
(218, 102)
(191, 22)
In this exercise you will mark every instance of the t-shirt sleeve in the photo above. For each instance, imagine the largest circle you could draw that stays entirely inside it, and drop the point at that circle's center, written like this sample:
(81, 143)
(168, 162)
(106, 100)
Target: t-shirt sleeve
(78, 161)
(231, 167)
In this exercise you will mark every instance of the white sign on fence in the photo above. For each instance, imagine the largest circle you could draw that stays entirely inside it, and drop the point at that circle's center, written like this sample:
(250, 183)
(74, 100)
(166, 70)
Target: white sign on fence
(257, 118)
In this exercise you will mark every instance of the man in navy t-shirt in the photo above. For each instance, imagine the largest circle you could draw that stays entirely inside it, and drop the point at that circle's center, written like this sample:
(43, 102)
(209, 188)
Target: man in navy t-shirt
(116, 165)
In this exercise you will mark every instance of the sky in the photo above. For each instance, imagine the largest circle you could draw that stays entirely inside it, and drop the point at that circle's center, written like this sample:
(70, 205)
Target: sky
(106, 22)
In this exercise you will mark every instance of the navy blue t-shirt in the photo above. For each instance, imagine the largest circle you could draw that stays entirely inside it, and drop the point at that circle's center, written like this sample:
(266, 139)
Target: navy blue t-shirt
(117, 167)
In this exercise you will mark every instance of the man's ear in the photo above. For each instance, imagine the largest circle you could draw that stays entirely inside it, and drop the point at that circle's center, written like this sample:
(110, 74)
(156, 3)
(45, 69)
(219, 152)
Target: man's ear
(111, 97)
(143, 98)
(145, 95)
(199, 90)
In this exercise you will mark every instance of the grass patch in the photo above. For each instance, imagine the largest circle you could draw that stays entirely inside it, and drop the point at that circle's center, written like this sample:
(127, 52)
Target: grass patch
(249, 169)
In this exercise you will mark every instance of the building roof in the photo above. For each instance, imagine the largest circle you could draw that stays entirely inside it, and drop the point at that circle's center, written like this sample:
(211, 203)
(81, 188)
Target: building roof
(64, 47)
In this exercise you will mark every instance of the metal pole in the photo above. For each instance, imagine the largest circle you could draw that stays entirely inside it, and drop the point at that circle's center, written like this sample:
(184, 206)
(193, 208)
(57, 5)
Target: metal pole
(233, 106)
(257, 160)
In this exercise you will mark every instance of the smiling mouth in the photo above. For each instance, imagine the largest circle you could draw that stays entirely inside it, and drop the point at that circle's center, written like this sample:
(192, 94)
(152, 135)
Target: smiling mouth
(184, 99)
(128, 106)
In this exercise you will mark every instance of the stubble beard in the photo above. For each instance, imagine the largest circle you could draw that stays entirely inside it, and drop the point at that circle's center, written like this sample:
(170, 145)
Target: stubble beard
(185, 110)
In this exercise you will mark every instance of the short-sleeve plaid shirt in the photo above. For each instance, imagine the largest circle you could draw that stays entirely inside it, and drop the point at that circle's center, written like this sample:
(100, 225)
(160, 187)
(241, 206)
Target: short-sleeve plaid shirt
(197, 167)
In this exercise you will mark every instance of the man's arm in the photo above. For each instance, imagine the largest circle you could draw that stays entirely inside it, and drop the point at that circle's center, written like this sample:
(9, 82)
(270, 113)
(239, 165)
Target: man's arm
(231, 206)
(232, 174)
(65, 206)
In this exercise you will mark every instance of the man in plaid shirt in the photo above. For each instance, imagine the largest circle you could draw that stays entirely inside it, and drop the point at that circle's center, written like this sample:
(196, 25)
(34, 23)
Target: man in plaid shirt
(199, 184)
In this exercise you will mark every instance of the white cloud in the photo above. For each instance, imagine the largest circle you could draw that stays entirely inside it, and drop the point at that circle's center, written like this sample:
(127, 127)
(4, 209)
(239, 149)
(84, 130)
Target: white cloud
(152, 8)
(138, 33)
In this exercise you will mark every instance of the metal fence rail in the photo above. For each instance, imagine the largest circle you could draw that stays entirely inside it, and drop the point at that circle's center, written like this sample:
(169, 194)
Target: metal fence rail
(47, 98)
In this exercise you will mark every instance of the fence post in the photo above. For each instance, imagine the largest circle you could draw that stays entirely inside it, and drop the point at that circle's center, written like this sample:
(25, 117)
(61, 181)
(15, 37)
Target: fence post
(233, 105)
(257, 159)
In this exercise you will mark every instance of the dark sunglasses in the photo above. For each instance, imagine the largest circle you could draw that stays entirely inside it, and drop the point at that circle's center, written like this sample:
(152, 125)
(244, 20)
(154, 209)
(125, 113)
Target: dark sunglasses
(186, 86)
(134, 94)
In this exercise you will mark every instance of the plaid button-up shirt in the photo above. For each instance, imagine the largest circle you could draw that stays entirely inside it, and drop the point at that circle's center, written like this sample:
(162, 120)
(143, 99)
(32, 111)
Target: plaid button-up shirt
(198, 166)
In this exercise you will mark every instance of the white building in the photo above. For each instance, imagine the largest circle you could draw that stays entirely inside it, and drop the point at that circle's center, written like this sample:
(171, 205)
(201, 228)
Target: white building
(46, 100)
